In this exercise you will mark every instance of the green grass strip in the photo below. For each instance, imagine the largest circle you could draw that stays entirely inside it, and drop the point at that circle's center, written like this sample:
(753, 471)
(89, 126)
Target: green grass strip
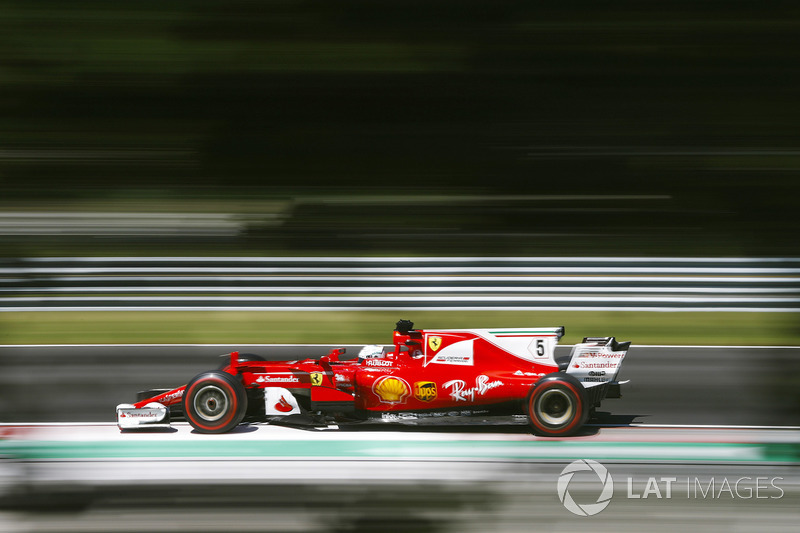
(525, 332)
(354, 327)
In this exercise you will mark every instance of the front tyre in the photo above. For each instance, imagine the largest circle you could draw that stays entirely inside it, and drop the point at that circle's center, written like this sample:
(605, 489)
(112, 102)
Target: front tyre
(557, 405)
(214, 402)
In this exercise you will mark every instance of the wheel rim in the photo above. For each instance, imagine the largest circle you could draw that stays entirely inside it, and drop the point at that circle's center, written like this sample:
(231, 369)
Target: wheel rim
(555, 407)
(211, 403)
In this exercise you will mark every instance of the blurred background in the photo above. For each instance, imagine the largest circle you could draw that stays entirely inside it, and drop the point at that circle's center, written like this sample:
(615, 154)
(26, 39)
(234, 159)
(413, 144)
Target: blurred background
(393, 129)
(398, 127)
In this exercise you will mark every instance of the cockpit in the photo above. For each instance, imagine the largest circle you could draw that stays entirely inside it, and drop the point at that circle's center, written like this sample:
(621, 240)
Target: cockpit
(371, 351)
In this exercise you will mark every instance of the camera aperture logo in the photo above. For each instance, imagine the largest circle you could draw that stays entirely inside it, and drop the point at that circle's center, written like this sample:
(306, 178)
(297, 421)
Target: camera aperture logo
(586, 509)
(708, 488)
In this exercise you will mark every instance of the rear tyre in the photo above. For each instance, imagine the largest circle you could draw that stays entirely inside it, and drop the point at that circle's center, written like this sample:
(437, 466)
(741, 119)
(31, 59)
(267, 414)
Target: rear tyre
(557, 405)
(214, 402)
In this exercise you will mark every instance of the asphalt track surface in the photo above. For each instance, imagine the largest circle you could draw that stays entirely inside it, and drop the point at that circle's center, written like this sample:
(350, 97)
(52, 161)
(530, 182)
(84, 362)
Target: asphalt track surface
(675, 420)
(750, 386)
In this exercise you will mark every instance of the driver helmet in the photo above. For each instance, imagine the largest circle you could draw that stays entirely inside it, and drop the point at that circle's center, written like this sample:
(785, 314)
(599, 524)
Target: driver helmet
(371, 351)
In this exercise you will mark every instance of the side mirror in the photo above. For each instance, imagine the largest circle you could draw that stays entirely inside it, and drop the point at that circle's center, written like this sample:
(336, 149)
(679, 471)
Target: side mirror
(333, 356)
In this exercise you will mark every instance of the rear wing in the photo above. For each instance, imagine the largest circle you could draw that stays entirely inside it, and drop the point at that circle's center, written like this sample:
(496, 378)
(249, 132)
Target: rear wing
(597, 360)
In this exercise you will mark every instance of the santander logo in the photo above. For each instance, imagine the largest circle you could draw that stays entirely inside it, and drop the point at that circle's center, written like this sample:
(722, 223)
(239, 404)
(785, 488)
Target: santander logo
(283, 406)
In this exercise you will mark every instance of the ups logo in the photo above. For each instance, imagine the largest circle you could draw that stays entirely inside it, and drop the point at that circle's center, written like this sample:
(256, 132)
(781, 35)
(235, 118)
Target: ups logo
(425, 391)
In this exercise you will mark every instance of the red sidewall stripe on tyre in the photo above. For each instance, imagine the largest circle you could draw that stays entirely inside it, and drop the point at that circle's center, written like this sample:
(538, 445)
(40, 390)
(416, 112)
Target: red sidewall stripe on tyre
(543, 387)
(233, 401)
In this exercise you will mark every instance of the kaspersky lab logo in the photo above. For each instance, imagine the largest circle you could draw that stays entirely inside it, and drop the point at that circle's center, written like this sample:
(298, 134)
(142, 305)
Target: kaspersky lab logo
(585, 509)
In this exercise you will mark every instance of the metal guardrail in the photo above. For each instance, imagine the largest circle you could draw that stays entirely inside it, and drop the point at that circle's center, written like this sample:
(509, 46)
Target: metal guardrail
(400, 283)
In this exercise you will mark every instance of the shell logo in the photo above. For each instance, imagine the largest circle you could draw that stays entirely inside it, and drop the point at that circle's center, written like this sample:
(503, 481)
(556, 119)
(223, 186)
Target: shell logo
(391, 390)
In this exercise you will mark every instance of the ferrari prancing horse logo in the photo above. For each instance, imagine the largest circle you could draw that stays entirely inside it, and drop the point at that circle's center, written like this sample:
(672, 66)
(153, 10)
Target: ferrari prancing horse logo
(316, 378)
(434, 343)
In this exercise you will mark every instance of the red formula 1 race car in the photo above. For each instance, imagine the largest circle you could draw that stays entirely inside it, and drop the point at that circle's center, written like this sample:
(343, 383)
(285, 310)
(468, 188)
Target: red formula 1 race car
(425, 375)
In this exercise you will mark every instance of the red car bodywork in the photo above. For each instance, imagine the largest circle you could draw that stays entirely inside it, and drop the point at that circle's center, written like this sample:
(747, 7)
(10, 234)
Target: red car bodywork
(425, 372)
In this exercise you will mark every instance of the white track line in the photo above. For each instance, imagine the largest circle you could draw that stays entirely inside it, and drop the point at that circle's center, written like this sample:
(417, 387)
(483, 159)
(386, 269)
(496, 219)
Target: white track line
(420, 259)
(690, 426)
(645, 426)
